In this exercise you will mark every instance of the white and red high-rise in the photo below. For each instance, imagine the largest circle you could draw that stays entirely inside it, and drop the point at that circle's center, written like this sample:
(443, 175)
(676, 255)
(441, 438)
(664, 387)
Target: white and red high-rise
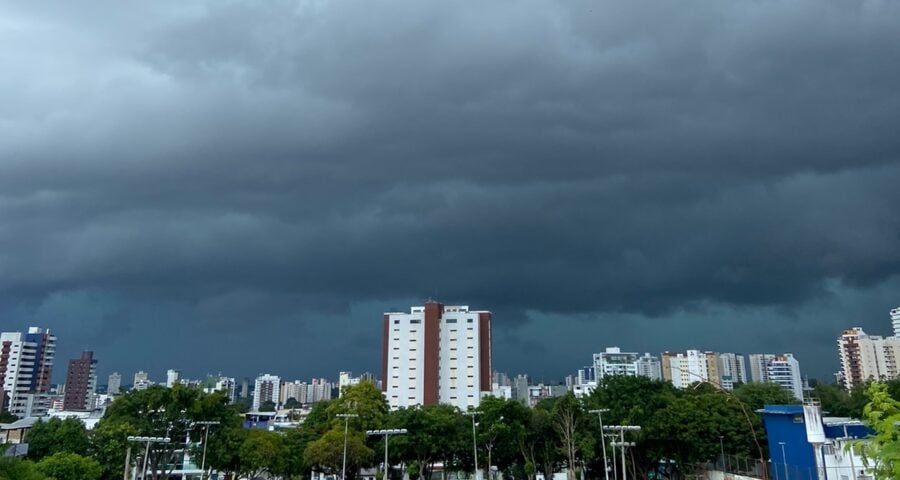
(437, 354)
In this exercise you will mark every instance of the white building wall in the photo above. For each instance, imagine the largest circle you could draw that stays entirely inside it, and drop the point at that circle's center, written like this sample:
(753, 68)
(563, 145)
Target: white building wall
(459, 360)
(688, 368)
(406, 359)
(895, 320)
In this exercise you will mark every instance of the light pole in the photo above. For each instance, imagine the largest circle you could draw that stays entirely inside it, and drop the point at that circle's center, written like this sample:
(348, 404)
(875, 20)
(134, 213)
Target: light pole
(473, 414)
(346, 417)
(600, 412)
(128, 462)
(206, 424)
(387, 435)
(722, 451)
(612, 443)
(148, 441)
(621, 429)
(784, 460)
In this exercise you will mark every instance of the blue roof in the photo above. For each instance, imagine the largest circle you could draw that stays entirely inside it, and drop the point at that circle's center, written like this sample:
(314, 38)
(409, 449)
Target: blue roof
(781, 409)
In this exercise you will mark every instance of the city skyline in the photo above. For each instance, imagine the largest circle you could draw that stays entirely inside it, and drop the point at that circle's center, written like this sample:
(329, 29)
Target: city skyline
(236, 186)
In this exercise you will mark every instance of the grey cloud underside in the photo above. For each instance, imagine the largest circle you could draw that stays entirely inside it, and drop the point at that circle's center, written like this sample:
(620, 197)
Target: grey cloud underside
(251, 161)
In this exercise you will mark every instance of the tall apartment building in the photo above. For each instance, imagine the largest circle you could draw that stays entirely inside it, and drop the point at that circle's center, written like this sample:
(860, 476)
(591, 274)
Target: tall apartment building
(649, 366)
(784, 371)
(172, 377)
(692, 366)
(81, 383)
(26, 365)
(114, 383)
(227, 385)
(613, 361)
(895, 320)
(267, 389)
(732, 370)
(293, 390)
(437, 354)
(758, 362)
(865, 357)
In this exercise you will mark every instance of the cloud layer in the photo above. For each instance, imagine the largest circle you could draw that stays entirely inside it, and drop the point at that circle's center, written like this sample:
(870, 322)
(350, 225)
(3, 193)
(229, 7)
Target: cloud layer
(196, 178)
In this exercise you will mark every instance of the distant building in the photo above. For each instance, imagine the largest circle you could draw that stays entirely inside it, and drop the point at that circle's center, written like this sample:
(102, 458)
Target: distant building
(295, 390)
(686, 368)
(520, 388)
(613, 361)
(171, 378)
(437, 354)
(649, 366)
(267, 389)
(867, 357)
(81, 383)
(758, 370)
(732, 370)
(895, 320)
(141, 377)
(227, 385)
(784, 371)
(114, 383)
(26, 366)
(245, 387)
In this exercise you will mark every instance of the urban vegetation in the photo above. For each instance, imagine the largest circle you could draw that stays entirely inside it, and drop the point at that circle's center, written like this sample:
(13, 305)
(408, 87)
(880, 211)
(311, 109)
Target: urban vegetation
(678, 430)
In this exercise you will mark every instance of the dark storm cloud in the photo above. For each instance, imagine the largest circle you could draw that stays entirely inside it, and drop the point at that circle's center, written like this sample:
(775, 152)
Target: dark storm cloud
(288, 170)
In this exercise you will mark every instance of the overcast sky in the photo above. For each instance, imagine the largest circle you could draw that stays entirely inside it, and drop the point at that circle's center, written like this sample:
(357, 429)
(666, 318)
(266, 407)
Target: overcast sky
(245, 187)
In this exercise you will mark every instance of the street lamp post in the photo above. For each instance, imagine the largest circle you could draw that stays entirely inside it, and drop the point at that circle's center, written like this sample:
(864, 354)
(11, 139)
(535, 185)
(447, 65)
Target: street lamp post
(722, 451)
(473, 414)
(148, 441)
(600, 412)
(127, 463)
(206, 424)
(346, 417)
(612, 443)
(386, 434)
(622, 429)
(784, 460)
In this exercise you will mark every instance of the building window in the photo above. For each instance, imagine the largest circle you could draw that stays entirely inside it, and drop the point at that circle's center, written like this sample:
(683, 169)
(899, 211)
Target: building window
(415, 322)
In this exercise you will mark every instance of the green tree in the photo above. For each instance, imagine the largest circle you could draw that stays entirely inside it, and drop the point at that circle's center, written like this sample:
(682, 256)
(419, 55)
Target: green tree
(435, 433)
(502, 425)
(267, 406)
(757, 395)
(70, 466)
(55, 435)
(365, 400)
(327, 453)
(688, 430)
(568, 418)
(629, 401)
(160, 412)
(6, 417)
(261, 454)
(292, 403)
(882, 414)
(17, 469)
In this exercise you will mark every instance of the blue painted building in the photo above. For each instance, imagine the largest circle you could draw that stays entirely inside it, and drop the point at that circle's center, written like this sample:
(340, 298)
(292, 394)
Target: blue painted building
(796, 439)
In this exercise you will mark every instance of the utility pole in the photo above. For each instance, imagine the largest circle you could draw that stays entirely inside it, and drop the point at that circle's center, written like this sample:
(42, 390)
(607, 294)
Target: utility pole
(206, 424)
(622, 429)
(148, 441)
(387, 435)
(346, 417)
(473, 414)
(600, 412)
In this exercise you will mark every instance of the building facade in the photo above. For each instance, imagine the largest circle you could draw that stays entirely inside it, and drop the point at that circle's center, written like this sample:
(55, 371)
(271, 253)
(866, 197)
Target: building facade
(758, 371)
(732, 370)
(895, 320)
(171, 378)
(114, 383)
(867, 357)
(81, 383)
(267, 389)
(692, 366)
(784, 371)
(437, 354)
(26, 366)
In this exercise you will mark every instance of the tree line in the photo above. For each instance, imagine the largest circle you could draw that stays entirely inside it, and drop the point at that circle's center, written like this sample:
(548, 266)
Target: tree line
(678, 430)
